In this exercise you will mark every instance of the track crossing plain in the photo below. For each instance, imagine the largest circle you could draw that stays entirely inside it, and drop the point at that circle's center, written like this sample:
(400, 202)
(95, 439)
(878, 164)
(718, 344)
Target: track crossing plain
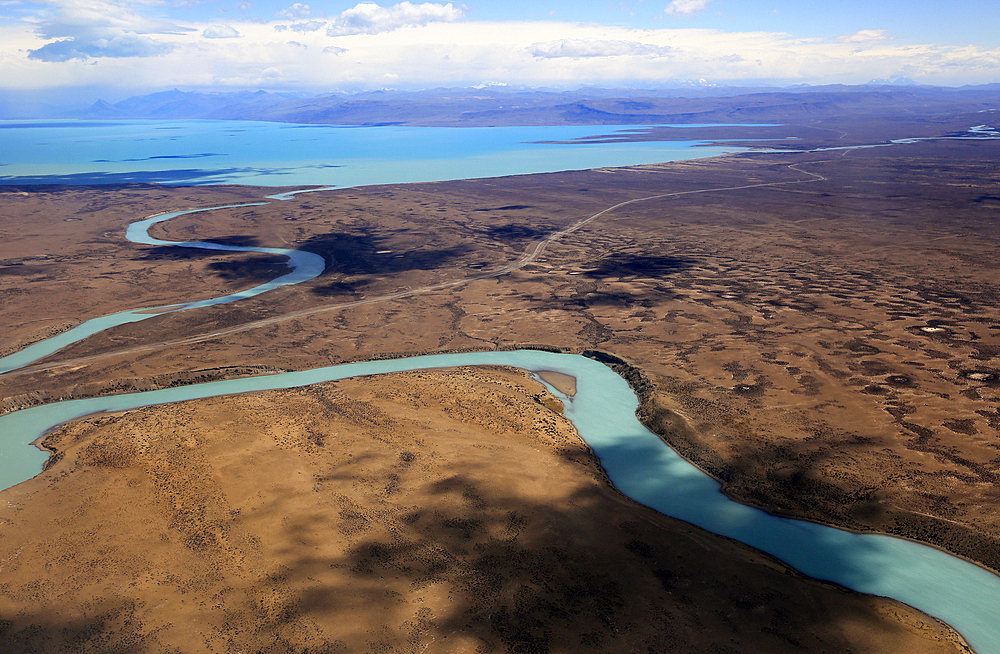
(818, 330)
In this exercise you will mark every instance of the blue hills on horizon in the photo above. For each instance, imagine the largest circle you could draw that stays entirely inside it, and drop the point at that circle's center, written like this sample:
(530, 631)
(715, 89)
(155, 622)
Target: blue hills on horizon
(513, 106)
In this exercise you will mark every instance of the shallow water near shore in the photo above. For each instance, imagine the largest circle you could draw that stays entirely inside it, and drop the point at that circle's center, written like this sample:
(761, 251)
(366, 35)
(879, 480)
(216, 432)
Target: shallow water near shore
(641, 466)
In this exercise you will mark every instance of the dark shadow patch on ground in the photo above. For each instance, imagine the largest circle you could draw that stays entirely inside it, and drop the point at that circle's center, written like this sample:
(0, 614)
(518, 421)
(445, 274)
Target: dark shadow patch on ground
(21, 270)
(182, 253)
(360, 255)
(365, 254)
(251, 268)
(514, 232)
(334, 289)
(238, 240)
(509, 207)
(900, 381)
(630, 265)
(623, 300)
(257, 269)
(860, 347)
(111, 626)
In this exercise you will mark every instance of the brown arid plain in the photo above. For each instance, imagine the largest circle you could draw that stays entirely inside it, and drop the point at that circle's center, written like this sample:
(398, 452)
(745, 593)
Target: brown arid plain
(817, 330)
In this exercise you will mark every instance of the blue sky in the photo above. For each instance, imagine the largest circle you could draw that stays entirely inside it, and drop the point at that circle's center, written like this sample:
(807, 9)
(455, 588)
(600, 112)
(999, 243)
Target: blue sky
(915, 21)
(133, 46)
(970, 22)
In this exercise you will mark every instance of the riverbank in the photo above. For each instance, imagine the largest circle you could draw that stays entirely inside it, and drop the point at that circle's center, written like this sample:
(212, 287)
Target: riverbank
(675, 430)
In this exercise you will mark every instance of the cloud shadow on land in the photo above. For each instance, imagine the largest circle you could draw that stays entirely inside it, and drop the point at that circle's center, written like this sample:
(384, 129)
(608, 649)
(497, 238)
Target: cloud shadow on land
(520, 577)
(255, 268)
(515, 233)
(637, 265)
(362, 255)
(357, 258)
(589, 287)
(509, 207)
(526, 577)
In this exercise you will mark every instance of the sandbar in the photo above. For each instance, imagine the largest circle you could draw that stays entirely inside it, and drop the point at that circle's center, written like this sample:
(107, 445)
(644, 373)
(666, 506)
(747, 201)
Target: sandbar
(565, 384)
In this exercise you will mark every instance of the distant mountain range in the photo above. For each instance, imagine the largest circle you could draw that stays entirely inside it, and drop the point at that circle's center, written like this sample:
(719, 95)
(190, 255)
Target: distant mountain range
(505, 106)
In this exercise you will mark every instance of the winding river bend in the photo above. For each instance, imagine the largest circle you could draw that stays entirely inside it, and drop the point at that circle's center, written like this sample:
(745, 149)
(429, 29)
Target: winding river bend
(603, 411)
(303, 266)
(641, 466)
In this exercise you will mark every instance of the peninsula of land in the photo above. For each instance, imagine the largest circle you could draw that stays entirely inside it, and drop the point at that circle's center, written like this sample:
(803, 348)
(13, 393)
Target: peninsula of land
(446, 511)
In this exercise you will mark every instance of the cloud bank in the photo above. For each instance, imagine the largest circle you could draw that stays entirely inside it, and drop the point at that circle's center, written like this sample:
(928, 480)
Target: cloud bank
(576, 48)
(99, 29)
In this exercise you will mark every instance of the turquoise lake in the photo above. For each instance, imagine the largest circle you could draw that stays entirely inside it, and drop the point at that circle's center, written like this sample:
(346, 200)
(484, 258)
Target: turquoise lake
(188, 152)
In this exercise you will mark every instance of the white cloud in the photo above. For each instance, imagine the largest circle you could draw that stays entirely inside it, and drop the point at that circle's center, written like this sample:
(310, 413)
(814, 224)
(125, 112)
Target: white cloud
(296, 11)
(865, 36)
(686, 7)
(98, 28)
(370, 18)
(307, 26)
(584, 48)
(531, 53)
(219, 31)
(118, 45)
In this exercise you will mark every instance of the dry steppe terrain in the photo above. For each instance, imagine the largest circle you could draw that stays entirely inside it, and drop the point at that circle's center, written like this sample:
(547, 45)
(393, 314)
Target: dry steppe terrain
(817, 330)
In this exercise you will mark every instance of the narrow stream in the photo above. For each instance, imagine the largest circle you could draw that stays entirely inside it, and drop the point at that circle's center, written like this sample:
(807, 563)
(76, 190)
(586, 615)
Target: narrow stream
(303, 265)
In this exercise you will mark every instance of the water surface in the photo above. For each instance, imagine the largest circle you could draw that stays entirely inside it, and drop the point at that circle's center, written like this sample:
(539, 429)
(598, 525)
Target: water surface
(282, 154)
